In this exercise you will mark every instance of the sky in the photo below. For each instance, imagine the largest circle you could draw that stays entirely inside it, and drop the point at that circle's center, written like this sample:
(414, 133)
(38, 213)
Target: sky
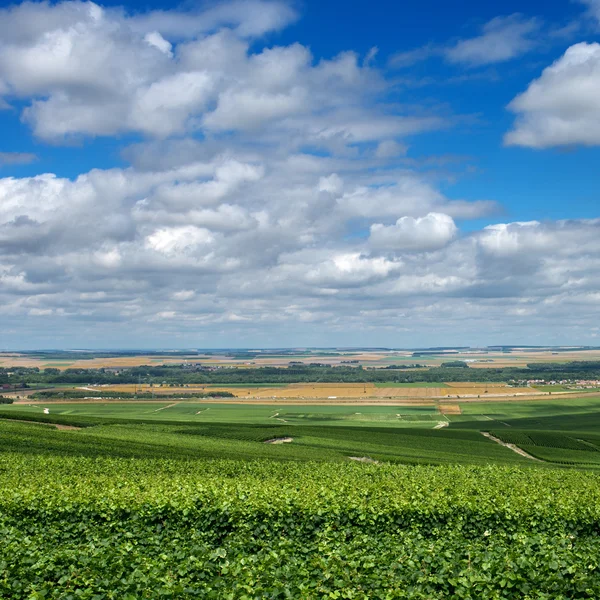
(264, 173)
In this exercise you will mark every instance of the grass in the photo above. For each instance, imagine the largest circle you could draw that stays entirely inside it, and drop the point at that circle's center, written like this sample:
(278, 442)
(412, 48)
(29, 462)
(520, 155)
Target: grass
(551, 388)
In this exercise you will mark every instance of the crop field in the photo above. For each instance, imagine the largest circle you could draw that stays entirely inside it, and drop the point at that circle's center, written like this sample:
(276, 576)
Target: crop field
(135, 509)
(210, 412)
(329, 391)
(368, 358)
(553, 427)
(162, 499)
(147, 528)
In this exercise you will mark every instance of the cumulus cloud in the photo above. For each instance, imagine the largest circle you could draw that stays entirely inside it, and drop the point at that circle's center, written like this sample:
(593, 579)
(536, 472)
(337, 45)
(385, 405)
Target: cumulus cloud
(430, 232)
(502, 39)
(84, 70)
(267, 197)
(562, 106)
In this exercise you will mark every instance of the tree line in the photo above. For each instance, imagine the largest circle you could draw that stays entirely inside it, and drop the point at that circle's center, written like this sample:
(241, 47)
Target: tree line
(182, 375)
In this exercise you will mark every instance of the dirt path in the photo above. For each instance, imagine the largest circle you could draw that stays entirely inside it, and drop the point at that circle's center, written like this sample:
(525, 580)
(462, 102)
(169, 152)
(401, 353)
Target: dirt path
(168, 406)
(55, 425)
(511, 446)
(588, 443)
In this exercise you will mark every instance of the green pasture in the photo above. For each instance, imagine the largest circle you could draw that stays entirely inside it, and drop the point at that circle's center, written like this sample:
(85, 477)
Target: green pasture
(551, 388)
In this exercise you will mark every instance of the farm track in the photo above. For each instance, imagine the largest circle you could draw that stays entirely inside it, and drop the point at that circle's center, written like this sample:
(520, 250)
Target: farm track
(168, 406)
(55, 425)
(512, 447)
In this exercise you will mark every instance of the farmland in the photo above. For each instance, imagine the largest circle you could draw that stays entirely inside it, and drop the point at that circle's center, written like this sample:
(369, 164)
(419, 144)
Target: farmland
(323, 391)
(480, 358)
(151, 501)
(150, 528)
(399, 432)
(388, 490)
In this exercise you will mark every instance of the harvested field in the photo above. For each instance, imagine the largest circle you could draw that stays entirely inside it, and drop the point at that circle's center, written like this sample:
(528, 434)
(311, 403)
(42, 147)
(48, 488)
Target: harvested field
(468, 384)
(450, 409)
(410, 392)
(331, 391)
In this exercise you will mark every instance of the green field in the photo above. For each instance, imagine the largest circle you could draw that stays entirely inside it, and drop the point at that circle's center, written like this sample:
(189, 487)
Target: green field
(149, 500)
(551, 388)
(210, 412)
(389, 433)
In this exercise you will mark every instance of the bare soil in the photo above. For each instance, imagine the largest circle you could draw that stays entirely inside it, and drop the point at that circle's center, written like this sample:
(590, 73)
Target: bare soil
(55, 425)
(511, 446)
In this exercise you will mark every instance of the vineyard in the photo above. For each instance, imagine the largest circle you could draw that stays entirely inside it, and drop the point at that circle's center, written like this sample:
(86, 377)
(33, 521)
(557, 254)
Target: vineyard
(556, 447)
(130, 504)
(157, 528)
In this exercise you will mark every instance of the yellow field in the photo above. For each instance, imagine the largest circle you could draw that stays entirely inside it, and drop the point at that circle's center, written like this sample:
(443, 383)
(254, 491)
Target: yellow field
(332, 391)
(94, 363)
(469, 384)
(450, 409)
(476, 359)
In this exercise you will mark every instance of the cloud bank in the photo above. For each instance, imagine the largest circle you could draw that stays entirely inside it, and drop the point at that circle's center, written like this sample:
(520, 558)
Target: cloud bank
(265, 201)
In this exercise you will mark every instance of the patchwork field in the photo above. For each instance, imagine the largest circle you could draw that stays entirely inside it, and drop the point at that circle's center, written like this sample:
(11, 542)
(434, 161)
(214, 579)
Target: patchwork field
(331, 391)
(188, 500)
(369, 358)
(574, 418)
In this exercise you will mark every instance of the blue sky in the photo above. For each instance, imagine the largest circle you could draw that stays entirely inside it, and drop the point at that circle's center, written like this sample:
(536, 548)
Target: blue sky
(270, 173)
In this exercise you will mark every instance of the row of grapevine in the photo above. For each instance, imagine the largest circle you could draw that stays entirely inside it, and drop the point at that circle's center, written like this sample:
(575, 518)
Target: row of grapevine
(92, 528)
(546, 439)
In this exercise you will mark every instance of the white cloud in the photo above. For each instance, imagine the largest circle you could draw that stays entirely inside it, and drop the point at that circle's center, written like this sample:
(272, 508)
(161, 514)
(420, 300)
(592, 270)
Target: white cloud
(431, 232)
(332, 184)
(179, 240)
(183, 295)
(562, 107)
(269, 197)
(248, 18)
(82, 70)
(502, 39)
(158, 41)
(250, 109)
